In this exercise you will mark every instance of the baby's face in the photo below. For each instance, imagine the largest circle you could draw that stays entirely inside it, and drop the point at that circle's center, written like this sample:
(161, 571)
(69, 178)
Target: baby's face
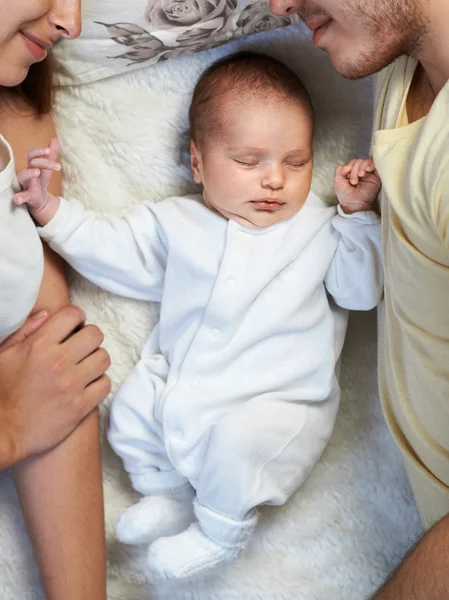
(258, 170)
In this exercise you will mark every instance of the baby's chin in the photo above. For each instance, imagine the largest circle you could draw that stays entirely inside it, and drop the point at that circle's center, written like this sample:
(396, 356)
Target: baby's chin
(258, 219)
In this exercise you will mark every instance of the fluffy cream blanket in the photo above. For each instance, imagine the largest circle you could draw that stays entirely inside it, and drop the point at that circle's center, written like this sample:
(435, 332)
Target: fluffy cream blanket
(125, 140)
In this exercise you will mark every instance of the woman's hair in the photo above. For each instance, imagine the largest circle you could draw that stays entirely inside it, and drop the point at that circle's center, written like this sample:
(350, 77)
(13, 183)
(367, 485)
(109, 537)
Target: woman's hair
(37, 89)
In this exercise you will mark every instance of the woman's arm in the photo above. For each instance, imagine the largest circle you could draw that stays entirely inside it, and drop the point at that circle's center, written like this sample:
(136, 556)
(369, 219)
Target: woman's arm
(60, 491)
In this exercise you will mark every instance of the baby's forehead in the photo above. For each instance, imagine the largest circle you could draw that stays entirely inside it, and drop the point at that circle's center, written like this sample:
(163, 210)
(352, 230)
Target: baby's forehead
(235, 117)
(236, 105)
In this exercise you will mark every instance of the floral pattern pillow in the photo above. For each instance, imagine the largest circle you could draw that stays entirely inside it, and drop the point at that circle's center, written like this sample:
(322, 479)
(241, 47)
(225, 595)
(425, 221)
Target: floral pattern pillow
(119, 35)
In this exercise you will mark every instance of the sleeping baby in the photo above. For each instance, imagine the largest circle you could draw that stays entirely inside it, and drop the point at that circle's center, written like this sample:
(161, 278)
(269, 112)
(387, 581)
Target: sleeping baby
(235, 395)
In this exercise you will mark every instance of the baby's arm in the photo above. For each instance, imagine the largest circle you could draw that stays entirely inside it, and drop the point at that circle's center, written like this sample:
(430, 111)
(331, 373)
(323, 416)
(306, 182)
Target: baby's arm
(126, 256)
(355, 277)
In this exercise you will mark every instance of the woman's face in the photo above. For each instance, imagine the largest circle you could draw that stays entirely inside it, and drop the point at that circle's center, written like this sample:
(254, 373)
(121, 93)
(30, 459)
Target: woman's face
(28, 29)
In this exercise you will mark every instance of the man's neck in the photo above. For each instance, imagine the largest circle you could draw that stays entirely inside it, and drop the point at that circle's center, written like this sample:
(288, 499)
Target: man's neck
(420, 97)
(432, 73)
(434, 55)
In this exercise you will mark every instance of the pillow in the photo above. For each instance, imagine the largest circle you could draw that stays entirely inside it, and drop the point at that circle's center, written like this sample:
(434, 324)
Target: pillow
(122, 35)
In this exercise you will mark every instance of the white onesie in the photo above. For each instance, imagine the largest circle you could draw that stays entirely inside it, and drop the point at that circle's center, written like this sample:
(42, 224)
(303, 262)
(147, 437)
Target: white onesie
(21, 255)
(236, 390)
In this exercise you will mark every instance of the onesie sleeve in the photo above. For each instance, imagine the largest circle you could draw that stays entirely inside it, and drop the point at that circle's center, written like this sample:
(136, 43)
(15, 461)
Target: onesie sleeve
(126, 256)
(355, 276)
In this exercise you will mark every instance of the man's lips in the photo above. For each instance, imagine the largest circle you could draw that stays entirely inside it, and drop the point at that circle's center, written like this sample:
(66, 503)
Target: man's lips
(314, 24)
(319, 27)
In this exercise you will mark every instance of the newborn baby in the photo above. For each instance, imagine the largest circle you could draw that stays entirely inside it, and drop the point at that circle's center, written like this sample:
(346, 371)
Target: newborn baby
(235, 396)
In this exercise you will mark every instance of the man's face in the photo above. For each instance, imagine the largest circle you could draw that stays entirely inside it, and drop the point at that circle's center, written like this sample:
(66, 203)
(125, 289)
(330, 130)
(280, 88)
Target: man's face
(361, 36)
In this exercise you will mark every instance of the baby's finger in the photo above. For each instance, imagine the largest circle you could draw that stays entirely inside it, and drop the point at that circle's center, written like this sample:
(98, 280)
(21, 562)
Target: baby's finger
(342, 171)
(25, 176)
(19, 198)
(55, 148)
(354, 176)
(367, 167)
(37, 152)
(44, 163)
(24, 197)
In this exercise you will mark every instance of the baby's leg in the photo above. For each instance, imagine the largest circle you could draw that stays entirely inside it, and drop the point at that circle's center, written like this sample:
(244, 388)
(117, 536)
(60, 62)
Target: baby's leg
(136, 436)
(259, 453)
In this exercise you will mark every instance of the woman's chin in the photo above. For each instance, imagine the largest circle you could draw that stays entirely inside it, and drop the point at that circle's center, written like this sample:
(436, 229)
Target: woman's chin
(13, 76)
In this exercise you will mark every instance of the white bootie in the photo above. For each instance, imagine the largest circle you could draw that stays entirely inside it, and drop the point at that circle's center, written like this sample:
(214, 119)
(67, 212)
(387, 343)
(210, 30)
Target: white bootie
(156, 516)
(189, 554)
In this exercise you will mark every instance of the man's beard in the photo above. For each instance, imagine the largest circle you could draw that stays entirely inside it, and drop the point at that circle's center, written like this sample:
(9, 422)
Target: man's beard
(395, 27)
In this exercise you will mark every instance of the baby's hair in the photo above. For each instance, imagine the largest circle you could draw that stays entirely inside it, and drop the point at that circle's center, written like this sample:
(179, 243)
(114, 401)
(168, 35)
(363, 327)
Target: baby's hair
(243, 73)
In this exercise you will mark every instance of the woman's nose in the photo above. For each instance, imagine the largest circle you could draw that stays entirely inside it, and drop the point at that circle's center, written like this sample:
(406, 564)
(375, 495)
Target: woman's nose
(65, 18)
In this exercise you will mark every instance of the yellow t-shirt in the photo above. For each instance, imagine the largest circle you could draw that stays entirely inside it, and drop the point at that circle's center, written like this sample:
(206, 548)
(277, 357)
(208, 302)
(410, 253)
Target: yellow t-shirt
(413, 163)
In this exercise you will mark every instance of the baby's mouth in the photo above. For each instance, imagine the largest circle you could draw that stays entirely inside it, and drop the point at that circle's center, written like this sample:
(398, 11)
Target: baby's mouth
(268, 203)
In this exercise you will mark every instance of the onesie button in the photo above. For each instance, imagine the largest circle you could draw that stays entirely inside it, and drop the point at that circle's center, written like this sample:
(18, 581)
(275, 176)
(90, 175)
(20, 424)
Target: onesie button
(231, 282)
(178, 435)
(216, 334)
(195, 383)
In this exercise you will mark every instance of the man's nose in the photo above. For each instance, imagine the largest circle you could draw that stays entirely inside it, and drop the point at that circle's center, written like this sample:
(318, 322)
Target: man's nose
(285, 8)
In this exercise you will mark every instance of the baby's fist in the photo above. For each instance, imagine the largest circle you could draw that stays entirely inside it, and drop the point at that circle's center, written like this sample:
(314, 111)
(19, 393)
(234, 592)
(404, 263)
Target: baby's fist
(357, 185)
(35, 180)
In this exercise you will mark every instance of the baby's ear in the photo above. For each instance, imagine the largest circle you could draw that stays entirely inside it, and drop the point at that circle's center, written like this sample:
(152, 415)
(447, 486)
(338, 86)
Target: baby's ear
(195, 162)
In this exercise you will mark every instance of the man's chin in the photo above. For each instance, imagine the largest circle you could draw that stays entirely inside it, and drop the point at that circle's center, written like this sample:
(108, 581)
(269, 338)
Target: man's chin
(356, 69)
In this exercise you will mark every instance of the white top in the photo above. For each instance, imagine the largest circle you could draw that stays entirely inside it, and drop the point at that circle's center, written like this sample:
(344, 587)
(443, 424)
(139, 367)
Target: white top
(240, 307)
(21, 256)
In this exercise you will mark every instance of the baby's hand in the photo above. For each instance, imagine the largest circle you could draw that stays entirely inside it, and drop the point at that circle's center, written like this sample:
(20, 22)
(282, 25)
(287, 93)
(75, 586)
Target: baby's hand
(35, 181)
(357, 185)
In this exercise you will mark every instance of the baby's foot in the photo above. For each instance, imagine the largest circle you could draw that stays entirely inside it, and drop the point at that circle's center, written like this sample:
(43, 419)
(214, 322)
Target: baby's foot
(188, 554)
(156, 516)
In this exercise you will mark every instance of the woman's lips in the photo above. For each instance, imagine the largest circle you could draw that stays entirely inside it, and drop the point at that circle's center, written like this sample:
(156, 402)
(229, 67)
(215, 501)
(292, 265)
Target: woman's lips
(37, 51)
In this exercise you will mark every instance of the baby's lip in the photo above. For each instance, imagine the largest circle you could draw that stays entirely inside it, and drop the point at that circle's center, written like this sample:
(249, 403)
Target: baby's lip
(269, 200)
(268, 203)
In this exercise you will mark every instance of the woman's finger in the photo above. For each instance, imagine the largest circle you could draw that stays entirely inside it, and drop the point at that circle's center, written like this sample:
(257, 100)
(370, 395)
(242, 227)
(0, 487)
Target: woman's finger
(94, 366)
(83, 343)
(31, 325)
(95, 393)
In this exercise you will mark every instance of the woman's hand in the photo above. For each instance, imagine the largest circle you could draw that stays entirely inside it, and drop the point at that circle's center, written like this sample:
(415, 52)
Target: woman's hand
(50, 379)
(357, 185)
(35, 180)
